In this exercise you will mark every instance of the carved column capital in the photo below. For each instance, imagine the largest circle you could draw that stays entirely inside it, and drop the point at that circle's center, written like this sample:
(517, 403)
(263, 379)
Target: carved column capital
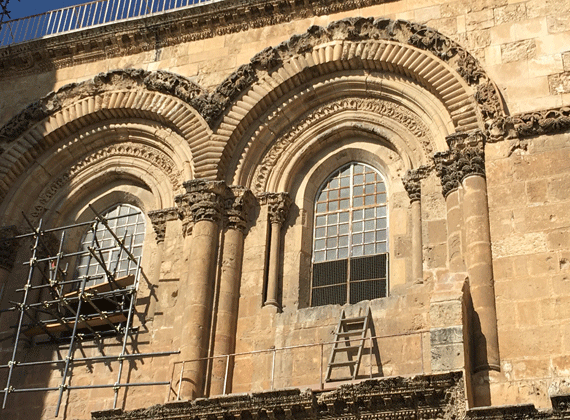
(159, 219)
(465, 157)
(470, 151)
(203, 201)
(8, 247)
(237, 206)
(412, 182)
(277, 206)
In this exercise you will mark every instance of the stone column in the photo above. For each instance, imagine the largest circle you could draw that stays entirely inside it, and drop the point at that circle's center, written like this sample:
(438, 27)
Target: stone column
(446, 166)
(470, 149)
(203, 202)
(158, 219)
(237, 206)
(412, 184)
(277, 209)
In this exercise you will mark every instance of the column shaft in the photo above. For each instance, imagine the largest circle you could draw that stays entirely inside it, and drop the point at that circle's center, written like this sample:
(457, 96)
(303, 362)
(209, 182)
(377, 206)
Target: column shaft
(417, 247)
(197, 317)
(273, 269)
(480, 269)
(226, 323)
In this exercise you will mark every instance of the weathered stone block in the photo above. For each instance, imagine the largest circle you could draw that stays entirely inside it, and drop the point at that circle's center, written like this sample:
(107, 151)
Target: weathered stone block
(559, 83)
(447, 357)
(519, 50)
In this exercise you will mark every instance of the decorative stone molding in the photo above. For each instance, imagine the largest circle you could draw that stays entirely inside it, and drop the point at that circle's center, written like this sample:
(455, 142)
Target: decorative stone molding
(382, 108)
(548, 121)
(8, 247)
(161, 81)
(237, 207)
(421, 397)
(412, 181)
(203, 201)
(159, 219)
(277, 206)
(149, 154)
(465, 157)
(469, 149)
(213, 105)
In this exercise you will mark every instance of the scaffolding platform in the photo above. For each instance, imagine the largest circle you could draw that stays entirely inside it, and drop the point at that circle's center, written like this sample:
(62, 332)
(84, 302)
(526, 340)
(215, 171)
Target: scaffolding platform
(72, 307)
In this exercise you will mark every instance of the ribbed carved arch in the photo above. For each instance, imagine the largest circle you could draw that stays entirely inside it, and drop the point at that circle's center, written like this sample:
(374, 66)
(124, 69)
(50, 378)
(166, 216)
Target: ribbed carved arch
(138, 150)
(440, 65)
(108, 107)
(338, 57)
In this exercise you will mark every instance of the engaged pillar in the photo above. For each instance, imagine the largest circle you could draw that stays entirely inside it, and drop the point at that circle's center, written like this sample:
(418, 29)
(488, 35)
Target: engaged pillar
(202, 203)
(277, 209)
(412, 184)
(470, 148)
(237, 205)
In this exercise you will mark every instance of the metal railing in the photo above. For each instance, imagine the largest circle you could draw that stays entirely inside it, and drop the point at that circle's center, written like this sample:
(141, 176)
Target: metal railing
(87, 15)
(370, 368)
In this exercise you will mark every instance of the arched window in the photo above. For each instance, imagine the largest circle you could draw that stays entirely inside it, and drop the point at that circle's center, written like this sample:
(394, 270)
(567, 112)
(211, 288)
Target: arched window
(128, 224)
(350, 237)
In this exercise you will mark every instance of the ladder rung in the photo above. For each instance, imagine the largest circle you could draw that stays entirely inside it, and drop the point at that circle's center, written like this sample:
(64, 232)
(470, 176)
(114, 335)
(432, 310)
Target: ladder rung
(347, 363)
(347, 348)
(359, 319)
(346, 378)
(349, 333)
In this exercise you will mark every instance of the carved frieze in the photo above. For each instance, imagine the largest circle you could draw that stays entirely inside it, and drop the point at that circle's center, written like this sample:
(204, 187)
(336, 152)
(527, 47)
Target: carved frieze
(412, 182)
(8, 247)
(277, 206)
(161, 81)
(153, 156)
(212, 105)
(548, 121)
(159, 219)
(427, 397)
(466, 157)
(381, 108)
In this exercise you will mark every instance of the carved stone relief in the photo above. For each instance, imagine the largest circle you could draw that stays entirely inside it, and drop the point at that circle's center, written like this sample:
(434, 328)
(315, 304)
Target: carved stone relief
(161, 81)
(277, 206)
(465, 157)
(412, 181)
(154, 156)
(212, 105)
(549, 121)
(421, 397)
(237, 208)
(382, 108)
(159, 219)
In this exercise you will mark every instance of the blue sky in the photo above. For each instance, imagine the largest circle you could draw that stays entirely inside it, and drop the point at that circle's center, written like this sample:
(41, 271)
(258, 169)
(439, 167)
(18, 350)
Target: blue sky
(24, 8)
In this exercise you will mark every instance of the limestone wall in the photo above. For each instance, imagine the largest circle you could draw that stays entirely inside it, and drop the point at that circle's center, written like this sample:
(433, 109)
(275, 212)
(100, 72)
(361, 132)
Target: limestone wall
(528, 199)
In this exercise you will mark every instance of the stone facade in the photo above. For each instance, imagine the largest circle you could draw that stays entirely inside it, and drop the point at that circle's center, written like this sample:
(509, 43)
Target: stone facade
(221, 123)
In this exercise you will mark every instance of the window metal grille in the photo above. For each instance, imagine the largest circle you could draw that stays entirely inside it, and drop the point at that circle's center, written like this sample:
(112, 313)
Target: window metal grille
(350, 237)
(128, 223)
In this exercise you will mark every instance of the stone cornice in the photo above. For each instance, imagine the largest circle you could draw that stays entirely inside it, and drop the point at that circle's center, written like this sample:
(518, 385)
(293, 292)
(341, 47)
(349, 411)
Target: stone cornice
(154, 32)
(529, 124)
(421, 397)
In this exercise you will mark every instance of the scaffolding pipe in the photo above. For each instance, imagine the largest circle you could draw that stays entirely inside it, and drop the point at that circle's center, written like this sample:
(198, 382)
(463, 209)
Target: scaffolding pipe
(19, 330)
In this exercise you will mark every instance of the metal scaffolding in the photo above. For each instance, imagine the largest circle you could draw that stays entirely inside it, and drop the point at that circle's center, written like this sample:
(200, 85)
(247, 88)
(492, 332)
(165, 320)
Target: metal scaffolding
(73, 309)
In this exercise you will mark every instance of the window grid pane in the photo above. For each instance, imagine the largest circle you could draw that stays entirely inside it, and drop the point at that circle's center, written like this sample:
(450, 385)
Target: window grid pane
(130, 229)
(350, 221)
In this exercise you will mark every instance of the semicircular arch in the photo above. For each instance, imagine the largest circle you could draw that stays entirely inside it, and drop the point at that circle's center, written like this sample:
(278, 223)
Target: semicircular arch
(433, 61)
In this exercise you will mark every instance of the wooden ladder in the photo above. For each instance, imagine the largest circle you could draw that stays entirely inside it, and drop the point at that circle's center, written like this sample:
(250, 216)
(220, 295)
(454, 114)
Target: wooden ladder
(352, 333)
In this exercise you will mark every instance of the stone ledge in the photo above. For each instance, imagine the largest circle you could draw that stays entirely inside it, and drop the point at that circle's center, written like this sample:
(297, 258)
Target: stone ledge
(438, 396)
